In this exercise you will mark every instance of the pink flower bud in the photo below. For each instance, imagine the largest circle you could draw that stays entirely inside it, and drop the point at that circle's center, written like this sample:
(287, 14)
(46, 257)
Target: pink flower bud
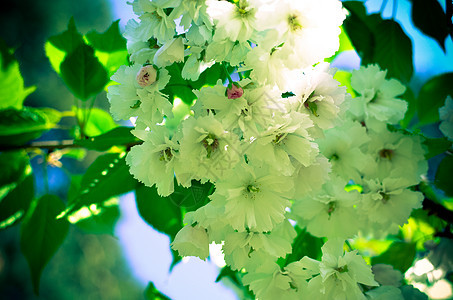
(234, 92)
(146, 76)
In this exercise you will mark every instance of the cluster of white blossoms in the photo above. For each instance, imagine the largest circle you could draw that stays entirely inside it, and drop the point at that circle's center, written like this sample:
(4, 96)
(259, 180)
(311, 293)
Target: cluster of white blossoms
(286, 142)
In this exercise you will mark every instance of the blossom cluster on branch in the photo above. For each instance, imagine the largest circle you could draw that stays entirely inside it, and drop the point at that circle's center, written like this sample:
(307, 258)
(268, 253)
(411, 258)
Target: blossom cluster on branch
(285, 144)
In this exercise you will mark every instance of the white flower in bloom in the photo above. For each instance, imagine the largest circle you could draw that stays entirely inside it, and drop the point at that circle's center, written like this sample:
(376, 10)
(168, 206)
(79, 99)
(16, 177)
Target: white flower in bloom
(235, 21)
(287, 139)
(269, 281)
(139, 97)
(154, 21)
(378, 96)
(141, 51)
(311, 178)
(195, 64)
(192, 240)
(207, 149)
(398, 153)
(239, 245)
(192, 12)
(387, 203)
(172, 51)
(340, 274)
(309, 29)
(319, 95)
(254, 198)
(329, 213)
(153, 161)
(199, 36)
(341, 146)
(446, 118)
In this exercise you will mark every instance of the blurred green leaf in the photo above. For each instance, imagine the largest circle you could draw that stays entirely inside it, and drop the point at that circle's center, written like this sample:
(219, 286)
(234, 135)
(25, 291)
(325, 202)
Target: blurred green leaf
(13, 92)
(99, 121)
(97, 219)
(83, 73)
(29, 123)
(430, 18)
(393, 50)
(15, 165)
(436, 146)
(409, 97)
(344, 78)
(192, 198)
(444, 173)
(69, 40)
(304, 245)
(116, 137)
(159, 212)
(108, 176)
(400, 255)
(112, 61)
(432, 96)
(109, 41)
(55, 56)
(7, 56)
(151, 293)
(15, 204)
(42, 234)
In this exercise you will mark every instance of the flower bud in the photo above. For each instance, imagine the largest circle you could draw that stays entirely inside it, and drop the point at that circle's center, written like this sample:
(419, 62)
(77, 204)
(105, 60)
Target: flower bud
(146, 76)
(234, 92)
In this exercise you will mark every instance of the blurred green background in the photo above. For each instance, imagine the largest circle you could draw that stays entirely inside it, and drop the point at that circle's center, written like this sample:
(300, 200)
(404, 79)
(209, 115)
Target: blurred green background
(86, 266)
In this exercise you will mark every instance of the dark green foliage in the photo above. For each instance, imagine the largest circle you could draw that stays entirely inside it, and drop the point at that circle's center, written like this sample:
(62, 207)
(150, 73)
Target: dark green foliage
(114, 137)
(400, 255)
(444, 175)
(109, 41)
(69, 40)
(15, 204)
(151, 293)
(42, 234)
(432, 96)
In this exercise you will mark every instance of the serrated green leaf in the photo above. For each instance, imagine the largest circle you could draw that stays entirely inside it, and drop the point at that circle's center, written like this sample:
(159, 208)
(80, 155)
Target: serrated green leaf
(151, 293)
(107, 177)
(69, 40)
(436, 146)
(430, 18)
(443, 179)
(29, 123)
(14, 206)
(432, 96)
(116, 137)
(109, 41)
(42, 234)
(400, 255)
(393, 50)
(13, 92)
(83, 74)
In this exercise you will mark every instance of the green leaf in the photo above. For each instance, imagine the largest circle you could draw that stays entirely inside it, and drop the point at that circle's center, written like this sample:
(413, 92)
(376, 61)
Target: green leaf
(69, 40)
(97, 219)
(360, 28)
(99, 121)
(116, 137)
(112, 61)
(430, 18)
(15, 205)
(432, 96)
(444, 175)
(107, 177)
(15, 165)
(12, 85)
(151, 293)
(344, 78)
(42, 234)
(159, 212)
(409, 97)
(55, 56)
(436, 146)
(83, 73)
(29, 123)
(393, 50)
(109, 41)
(192, 198)
(400, 255)
(304, 245)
